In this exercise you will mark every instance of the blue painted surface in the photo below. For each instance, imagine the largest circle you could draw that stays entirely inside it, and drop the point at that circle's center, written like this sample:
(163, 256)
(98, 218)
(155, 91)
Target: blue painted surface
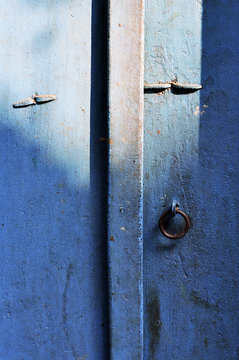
(53, 183)
(191, 153)
(52, 248)
(125, 232)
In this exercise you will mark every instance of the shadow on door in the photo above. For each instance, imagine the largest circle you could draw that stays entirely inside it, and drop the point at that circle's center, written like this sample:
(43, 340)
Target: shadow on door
(53, 226)
(219, 174)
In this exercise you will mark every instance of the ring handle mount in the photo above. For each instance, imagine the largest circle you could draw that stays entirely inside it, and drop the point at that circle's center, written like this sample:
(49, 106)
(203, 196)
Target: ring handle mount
(181, 233)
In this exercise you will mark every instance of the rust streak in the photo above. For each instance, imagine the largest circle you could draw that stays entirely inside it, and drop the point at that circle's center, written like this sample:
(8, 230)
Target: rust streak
(154, 321)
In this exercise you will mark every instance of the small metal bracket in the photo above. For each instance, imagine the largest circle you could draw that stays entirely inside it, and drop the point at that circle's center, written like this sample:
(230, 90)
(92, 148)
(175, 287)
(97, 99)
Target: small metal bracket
(193, 87)
(156, 87)
(174, 206)
(40, 99)
(23, 103)
(176, 88)
(34, 100)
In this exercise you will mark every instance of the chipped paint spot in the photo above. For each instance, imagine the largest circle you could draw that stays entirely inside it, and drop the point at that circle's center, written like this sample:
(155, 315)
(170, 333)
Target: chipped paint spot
(154, 134)
(198, 111)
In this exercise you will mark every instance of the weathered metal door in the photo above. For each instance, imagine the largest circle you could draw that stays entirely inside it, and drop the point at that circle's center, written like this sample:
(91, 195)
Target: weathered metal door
(168, 298)
(191, 152)
(52, 219)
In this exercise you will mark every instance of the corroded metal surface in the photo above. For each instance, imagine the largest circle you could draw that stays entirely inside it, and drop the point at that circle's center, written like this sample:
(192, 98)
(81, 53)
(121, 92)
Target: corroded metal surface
(125, 178)
(186, 86)
(180, 233)
(26, 102)
(157, 86)
(34, 100)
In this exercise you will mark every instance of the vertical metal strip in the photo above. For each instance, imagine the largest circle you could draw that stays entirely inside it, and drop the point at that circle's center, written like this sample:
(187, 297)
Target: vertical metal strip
(126, 64)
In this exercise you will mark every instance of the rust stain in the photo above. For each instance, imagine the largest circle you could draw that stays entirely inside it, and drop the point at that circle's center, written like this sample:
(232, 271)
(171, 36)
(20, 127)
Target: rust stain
(112, 238)
(150, 133)
(154, 321)
(106, 139)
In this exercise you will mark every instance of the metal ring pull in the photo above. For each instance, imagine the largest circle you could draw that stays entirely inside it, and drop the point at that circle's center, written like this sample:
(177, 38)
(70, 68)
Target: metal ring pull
(171, 211)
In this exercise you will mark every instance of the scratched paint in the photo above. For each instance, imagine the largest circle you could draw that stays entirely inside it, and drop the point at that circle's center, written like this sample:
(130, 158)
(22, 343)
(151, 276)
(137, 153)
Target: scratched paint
(195, 159)
(53, 286)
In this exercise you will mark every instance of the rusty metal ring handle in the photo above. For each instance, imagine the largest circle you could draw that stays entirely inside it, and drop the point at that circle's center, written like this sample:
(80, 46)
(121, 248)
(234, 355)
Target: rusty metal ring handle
(180, 234)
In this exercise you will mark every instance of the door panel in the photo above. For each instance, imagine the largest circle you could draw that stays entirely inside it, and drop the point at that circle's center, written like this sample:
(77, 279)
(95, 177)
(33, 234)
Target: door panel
(53, 288)
(191, 154)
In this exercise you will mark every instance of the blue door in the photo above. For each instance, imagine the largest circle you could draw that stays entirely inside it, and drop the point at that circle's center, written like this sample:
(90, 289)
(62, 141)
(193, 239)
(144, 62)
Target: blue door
(191, 156)
(83, 162)
(52, 242)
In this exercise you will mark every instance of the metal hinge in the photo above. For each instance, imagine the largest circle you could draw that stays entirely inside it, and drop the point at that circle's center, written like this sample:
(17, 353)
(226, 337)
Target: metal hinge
(179, 88)
(34, 100)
